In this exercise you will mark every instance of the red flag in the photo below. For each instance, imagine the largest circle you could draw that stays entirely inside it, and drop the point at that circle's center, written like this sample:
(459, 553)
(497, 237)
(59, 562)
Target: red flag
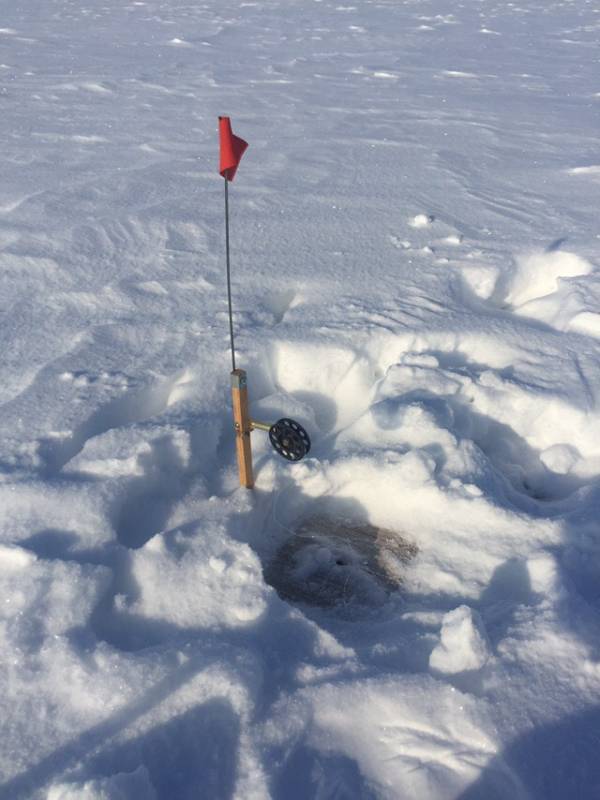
(232, 149)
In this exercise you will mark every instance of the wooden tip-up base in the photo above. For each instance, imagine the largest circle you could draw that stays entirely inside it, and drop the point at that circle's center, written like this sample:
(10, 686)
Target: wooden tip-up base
(243, 426)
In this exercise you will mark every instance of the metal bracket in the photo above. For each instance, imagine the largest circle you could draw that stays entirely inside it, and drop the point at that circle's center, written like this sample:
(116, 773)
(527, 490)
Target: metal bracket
(260, 426)
(239, 379)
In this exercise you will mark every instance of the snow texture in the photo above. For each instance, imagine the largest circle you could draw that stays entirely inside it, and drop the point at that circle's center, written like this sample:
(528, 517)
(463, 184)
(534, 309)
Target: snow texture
(414, 610)
(463, 646)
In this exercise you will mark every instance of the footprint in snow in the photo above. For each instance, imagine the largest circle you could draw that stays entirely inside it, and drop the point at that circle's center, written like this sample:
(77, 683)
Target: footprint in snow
(135, 405)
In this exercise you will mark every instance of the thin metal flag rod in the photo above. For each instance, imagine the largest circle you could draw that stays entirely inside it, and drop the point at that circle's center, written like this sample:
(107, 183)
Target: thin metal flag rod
(229, 274)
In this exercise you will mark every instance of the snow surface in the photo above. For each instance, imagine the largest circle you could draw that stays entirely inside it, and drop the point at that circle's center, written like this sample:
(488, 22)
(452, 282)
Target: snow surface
(415, 249)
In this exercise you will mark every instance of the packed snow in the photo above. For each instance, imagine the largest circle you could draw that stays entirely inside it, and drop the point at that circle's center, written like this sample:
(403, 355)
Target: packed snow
(412, 611)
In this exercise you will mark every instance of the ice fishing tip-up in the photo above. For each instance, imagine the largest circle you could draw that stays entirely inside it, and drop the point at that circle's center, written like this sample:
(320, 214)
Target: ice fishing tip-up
(287, 437)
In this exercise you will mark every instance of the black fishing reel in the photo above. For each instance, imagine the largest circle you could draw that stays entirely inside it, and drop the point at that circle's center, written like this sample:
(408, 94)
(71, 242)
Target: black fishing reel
(289, 439)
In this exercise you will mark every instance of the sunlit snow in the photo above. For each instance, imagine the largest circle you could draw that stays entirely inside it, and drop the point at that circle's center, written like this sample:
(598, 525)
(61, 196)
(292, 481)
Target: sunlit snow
(413, 611)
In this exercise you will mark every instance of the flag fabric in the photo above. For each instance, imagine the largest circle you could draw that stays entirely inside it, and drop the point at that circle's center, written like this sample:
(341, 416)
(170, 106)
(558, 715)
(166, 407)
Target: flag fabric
(232, 149)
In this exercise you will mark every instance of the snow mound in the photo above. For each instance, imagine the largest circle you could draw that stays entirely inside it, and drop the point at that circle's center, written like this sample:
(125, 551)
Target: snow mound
(544, 287)
(195, 579)
(538, 274)
(421, 221)
(463, 643)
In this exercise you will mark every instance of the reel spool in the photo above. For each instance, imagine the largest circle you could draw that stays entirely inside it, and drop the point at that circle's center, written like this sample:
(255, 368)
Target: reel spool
(289, 439)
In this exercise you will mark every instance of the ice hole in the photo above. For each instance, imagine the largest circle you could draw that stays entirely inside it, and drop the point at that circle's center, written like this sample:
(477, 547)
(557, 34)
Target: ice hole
(339, 562)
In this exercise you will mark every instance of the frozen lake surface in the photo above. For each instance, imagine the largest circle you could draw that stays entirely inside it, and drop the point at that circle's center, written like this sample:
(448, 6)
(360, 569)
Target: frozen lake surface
(415, 250)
